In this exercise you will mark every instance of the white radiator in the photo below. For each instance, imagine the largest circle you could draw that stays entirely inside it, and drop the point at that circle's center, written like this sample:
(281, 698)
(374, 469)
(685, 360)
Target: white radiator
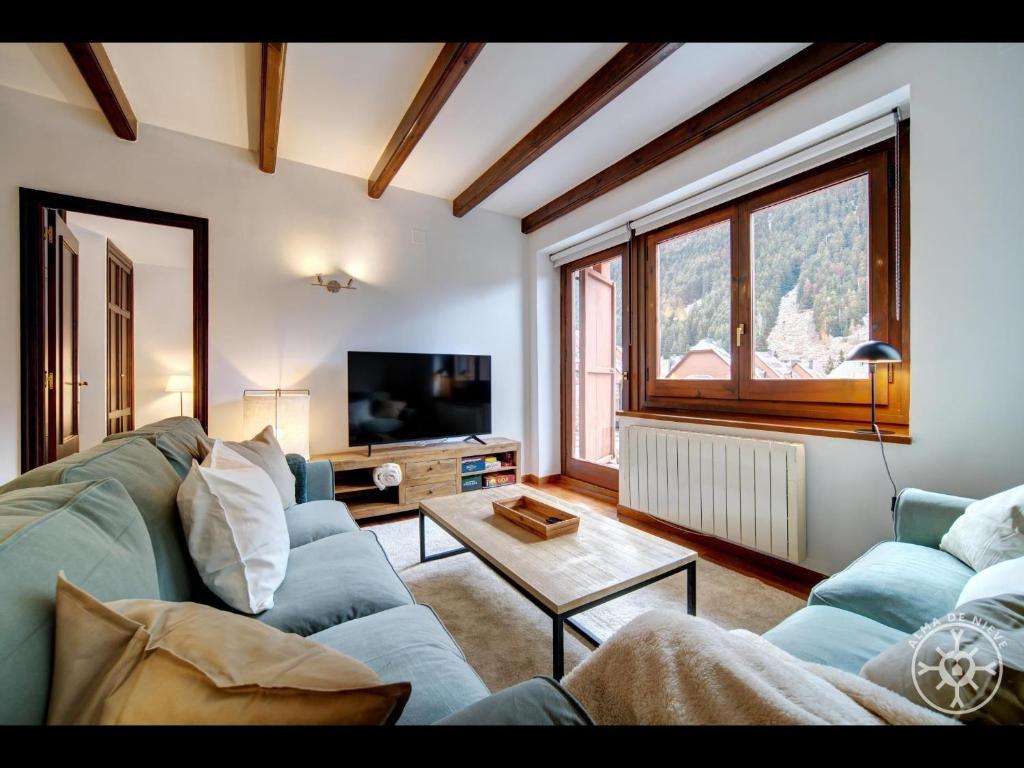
(750, 492)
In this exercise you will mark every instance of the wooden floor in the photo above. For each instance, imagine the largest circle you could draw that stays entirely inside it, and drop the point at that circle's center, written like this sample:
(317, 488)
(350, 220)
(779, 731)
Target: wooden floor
(607, 507)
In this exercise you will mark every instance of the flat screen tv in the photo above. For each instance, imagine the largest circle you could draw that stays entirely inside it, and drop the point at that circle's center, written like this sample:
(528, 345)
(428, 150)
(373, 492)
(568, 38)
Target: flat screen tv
(398, 397)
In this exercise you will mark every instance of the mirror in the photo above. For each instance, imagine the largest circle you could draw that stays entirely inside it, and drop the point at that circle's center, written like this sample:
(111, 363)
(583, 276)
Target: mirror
(118, 339)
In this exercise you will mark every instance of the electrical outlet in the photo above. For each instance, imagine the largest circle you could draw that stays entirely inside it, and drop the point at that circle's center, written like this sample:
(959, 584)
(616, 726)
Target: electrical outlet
(419, 237)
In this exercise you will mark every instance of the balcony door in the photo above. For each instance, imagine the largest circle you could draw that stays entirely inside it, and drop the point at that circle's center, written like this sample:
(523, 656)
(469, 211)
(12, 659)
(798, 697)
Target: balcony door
(592, 367)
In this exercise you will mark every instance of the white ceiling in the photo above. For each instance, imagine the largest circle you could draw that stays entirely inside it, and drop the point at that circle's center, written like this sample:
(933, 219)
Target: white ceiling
(143, 243)
(342, 102)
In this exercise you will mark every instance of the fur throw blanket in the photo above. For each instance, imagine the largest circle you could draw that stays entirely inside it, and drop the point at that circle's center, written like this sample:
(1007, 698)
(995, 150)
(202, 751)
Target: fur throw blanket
(668, 668)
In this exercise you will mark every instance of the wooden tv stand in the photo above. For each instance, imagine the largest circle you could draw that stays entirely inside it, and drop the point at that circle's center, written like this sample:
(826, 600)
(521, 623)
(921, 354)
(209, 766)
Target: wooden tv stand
(428, 471)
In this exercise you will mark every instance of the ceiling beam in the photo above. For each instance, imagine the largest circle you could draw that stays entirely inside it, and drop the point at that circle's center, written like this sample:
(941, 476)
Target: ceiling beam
(812, 63)
(448, 70)
(98, 73)
(627, 66)
(271, 92)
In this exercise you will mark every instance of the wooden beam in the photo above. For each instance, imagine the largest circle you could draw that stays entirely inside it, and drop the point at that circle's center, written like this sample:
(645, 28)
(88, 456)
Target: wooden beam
(448, 70)
(812, 63)
(98, 73)
(626, 67)
(271, 92)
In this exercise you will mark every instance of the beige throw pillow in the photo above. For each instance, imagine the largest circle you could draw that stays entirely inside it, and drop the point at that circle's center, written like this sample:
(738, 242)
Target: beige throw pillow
(235, 528)
(989, 531)
(265, 452)
(152, 662)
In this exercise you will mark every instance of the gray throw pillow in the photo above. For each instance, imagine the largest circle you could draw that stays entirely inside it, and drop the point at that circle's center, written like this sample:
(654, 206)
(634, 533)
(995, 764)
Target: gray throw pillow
(969, 664)
(265, 452)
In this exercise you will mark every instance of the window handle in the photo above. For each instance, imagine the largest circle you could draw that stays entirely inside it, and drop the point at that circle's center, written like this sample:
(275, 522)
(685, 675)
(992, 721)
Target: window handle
(740, 330)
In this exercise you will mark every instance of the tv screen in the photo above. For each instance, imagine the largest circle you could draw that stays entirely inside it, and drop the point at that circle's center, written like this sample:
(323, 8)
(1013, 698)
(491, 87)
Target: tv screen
(401, 396)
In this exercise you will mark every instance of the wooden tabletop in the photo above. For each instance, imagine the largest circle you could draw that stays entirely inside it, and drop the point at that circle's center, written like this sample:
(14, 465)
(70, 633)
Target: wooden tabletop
(565, 572)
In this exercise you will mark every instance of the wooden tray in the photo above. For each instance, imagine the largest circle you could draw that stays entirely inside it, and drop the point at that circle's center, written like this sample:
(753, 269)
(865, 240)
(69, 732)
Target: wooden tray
(533, 514)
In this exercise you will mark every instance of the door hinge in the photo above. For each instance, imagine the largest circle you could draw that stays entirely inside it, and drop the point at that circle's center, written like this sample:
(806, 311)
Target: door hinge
(48, 381)
(48, 234)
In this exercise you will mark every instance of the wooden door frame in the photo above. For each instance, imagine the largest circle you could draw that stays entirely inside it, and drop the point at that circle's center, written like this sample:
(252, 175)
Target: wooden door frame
(33, 304)
(571, 467)
(119, 257)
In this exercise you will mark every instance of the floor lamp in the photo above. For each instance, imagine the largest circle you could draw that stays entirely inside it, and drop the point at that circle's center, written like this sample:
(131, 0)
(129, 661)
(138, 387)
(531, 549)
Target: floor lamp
(876, 353)
(180, 383)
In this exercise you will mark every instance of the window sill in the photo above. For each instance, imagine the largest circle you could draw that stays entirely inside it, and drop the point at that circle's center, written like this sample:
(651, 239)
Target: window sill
(842, 429)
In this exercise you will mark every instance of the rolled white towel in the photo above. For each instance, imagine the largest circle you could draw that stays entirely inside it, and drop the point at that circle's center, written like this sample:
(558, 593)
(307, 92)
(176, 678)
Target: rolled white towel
(387, 474)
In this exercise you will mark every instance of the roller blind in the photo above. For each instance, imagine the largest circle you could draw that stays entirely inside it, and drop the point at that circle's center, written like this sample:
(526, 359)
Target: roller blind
(591, 246)
(746, 180)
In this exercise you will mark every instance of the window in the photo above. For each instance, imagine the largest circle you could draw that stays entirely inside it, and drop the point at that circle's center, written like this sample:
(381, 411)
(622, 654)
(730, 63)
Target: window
(752, 307)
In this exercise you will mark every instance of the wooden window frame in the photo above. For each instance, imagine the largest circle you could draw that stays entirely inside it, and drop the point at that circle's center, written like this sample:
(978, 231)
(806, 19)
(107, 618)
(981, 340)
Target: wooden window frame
(743, 396)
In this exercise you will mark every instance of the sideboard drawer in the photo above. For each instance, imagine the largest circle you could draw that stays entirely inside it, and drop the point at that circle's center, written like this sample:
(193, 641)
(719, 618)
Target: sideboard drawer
(419, 472)
(417, 492)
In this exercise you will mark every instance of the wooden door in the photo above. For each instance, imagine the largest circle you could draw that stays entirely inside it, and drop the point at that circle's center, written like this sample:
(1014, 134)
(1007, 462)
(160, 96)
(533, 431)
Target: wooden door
(120, 341)
(597, 365)
(61, 376)
(592, 312)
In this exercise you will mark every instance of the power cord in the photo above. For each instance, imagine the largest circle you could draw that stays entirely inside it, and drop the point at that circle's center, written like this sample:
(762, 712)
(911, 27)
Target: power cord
(881, 445)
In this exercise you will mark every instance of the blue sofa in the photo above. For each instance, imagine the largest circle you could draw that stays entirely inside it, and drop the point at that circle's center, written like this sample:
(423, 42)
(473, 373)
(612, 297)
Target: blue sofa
(886, 594)
(108, 517)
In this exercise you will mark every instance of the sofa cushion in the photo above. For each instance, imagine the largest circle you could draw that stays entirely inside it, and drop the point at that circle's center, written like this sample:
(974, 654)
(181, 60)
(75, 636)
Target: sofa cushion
(316, 520)
(179, 439)
(987, 639)
(153, 486)
(95, 534)
(333, 580)
(410, 643)
(155, 662)
(901, 585)
(990, 531)
(265, 452)
(538, 701)
(833, 637)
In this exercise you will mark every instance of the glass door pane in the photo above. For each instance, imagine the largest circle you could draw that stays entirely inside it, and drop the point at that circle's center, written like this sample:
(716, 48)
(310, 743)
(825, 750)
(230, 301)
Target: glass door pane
(596, 365)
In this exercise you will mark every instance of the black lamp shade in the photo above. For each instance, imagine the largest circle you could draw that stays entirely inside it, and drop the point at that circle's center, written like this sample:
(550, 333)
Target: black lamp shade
(875, 352)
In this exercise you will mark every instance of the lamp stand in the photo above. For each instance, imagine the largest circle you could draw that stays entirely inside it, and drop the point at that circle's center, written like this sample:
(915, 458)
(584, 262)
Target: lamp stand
(181, 403)
(874, 425)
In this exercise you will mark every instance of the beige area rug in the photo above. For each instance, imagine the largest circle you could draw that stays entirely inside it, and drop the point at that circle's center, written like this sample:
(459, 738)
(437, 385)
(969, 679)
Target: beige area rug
(507, 639)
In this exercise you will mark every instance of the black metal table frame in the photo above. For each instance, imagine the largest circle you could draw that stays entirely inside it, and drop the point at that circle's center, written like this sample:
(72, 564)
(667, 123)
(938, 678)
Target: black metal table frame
(559, 620)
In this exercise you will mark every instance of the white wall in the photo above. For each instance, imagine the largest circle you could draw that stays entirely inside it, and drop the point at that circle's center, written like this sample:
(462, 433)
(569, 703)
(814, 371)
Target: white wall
(92, 335)
(461, 292)
(967, 269)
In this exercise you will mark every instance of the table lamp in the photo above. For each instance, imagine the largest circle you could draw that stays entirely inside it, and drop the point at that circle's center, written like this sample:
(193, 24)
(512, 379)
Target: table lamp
(180, 383)
(874, 353)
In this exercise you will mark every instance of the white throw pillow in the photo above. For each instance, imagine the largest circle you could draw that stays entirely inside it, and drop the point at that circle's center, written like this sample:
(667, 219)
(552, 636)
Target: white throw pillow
(989, 531)
(235, 526)
(1000, 579)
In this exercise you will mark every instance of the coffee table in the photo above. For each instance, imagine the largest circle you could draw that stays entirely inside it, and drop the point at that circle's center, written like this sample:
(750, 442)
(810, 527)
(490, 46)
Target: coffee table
(564, 575)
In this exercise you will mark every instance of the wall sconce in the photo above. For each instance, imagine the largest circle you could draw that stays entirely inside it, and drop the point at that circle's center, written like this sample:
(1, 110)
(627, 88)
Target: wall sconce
(333, 286)
(287, 410)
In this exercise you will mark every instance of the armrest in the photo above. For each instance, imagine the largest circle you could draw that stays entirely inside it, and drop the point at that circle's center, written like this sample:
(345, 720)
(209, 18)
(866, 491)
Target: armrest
(540, 701)
(319, 480)
(922, 517)
(314, 480)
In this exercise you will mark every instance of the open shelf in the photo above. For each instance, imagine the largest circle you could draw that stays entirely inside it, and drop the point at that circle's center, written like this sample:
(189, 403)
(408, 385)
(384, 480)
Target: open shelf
(489, 471)
(344, 489)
